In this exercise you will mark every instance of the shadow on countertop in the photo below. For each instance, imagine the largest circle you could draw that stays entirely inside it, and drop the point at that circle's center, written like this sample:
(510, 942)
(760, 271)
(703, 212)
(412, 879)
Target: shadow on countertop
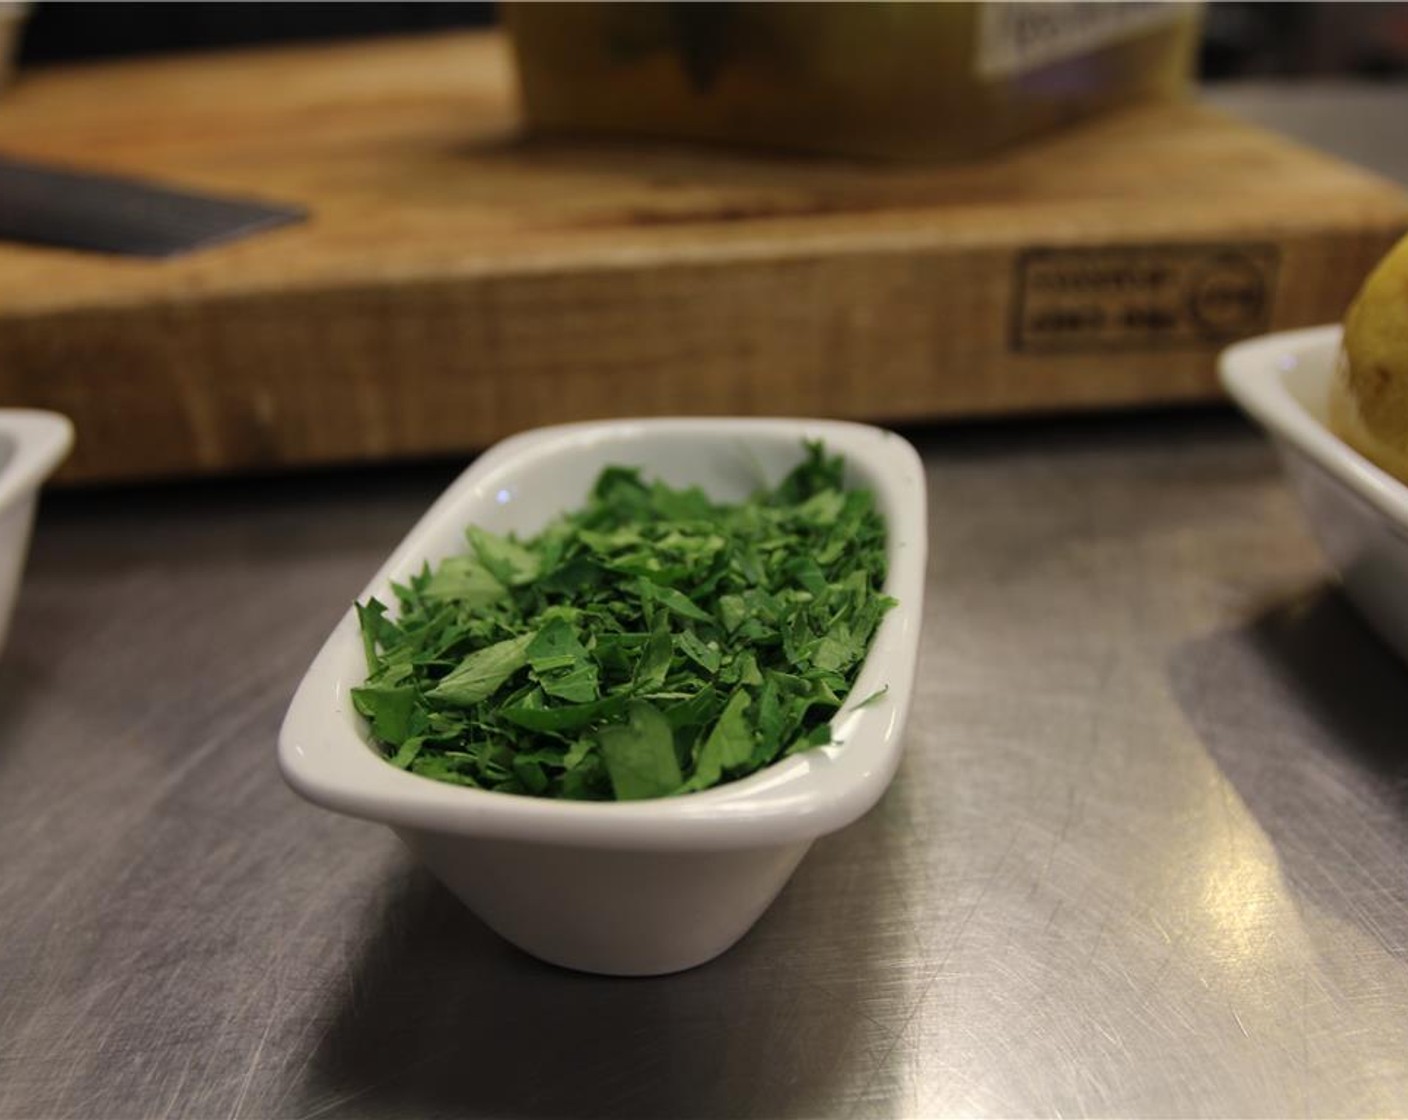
(442, 1018)
(1327, 778)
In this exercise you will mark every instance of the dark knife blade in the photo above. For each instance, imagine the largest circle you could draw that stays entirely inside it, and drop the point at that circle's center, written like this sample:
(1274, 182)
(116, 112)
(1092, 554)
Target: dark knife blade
(111, 214)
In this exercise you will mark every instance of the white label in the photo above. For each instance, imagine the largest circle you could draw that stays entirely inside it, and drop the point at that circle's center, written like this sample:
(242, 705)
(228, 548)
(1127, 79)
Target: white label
(1022, 35)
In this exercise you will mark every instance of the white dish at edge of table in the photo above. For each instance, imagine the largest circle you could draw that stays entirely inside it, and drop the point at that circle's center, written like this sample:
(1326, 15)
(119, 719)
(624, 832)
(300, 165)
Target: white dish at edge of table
(1357, 512)
(641, 887)
(32, 445)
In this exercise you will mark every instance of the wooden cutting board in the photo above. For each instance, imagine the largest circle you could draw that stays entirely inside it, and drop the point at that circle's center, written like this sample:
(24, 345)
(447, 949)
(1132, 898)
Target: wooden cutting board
(458, 283)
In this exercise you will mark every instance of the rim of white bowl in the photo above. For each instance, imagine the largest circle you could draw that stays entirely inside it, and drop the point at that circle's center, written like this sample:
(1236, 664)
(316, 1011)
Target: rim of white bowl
(330, 763)
(42, 439)
(1254, 373)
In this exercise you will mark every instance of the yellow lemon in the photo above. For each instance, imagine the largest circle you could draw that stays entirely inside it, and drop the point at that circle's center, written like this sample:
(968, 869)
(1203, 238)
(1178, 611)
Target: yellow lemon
(1369, 398)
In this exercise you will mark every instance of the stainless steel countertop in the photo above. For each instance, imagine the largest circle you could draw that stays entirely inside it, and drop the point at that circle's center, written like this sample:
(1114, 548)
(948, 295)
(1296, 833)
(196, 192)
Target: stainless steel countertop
(1146, 854)
(1356, 120)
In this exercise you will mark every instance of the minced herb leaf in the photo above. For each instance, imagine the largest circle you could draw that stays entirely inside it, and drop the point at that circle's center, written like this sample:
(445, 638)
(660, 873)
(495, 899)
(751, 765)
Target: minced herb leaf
(483, 672)
(640, 754)
(653, 642)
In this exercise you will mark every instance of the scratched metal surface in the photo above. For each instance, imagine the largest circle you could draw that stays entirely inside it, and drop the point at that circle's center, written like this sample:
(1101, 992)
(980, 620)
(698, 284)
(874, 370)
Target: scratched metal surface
(1146, 854)
(1356, 120)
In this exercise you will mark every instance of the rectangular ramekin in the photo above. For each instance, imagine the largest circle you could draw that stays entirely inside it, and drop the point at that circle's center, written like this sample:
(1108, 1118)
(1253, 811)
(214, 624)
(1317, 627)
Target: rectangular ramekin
(643, 887)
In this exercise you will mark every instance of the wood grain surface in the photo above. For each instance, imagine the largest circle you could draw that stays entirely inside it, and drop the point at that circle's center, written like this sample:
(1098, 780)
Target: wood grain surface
(457, 282)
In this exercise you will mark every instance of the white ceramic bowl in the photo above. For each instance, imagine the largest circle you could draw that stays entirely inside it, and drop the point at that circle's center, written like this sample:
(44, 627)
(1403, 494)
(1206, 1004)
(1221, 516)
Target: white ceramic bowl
(1357, 512)
(643, 887)
(32, 444)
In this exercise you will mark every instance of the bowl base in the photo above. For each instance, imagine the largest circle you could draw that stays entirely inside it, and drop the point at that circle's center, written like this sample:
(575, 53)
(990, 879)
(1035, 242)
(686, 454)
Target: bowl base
(614, 913)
